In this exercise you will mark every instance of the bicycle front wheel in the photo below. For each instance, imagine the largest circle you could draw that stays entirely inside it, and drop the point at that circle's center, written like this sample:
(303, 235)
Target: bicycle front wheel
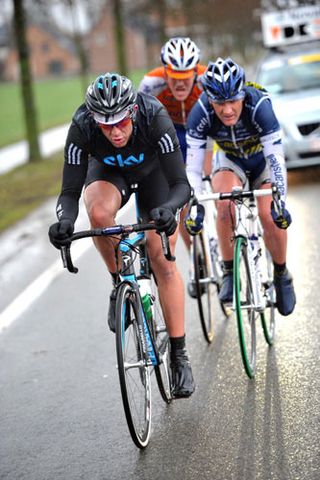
(244, 305)
(134, 372)
(162, 369)
(207, 290)
(269, 294)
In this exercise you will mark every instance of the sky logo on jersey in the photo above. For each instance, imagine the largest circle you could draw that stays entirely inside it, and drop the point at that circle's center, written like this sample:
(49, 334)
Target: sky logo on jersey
(119, 161)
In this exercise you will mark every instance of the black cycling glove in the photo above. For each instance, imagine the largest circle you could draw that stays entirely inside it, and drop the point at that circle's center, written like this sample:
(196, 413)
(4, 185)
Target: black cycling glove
(164, 219)
(60, 233)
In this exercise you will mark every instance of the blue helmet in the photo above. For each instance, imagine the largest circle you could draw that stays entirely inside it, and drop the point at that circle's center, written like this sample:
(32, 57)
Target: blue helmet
(223, 80)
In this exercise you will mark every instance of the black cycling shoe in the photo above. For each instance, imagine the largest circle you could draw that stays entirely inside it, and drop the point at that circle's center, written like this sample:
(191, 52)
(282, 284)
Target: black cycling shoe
(286, 297)
(226, 289)
(182, 379)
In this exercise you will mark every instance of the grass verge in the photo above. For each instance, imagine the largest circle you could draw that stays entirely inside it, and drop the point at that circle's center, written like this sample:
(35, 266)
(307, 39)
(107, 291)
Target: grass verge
(55, 102)
(27, 187)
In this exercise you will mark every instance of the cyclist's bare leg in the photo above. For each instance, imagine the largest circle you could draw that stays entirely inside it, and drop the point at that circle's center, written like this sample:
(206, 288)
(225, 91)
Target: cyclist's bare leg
(224, 181)
(183, 232)
(275, 238)
(170, 284)
(103, 200)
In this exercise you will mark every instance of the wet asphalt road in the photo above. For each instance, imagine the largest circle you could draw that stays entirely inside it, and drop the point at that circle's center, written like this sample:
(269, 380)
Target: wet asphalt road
(60, 403)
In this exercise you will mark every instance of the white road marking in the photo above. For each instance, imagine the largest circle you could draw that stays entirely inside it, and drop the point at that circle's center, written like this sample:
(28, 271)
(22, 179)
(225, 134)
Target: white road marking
(23, 301)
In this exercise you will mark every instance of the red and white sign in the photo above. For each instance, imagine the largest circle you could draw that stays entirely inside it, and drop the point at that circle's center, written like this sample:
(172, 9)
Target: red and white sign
(285, 27)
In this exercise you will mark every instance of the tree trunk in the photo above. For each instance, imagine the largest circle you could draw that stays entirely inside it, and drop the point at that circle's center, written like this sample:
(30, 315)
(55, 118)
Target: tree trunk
(26, 82)
(119, 37)
(162, 13)
(81, 52)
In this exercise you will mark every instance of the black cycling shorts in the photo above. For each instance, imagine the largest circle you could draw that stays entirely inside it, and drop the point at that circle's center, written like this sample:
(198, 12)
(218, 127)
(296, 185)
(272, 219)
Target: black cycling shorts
(152, 189)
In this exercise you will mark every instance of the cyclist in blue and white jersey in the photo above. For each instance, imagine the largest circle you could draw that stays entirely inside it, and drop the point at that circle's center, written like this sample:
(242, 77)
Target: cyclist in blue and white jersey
(239, 117)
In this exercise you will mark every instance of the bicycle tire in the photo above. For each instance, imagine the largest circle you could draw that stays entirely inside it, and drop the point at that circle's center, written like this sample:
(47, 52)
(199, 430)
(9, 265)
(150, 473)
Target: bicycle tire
(162, 341)
(134, 372)
(269, 294)
(207, 291)
(210, 223)
(245, 312)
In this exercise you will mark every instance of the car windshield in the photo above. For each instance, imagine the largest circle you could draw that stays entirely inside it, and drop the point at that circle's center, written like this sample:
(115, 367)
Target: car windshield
(298, 72)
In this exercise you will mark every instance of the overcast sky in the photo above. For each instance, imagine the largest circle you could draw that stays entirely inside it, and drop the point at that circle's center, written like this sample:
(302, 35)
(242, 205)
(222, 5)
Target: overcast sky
(59, 12)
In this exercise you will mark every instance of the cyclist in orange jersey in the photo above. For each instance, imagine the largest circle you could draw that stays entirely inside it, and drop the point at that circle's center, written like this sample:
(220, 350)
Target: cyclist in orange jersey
(177, 85)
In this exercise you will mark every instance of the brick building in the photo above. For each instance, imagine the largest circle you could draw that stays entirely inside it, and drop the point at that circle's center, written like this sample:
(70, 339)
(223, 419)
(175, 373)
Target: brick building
(101, 48)
(51, 53)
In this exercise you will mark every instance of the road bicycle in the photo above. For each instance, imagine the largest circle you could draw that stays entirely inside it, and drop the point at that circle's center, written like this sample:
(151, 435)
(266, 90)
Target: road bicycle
(253, 288)
(142, 341)
(207, 267)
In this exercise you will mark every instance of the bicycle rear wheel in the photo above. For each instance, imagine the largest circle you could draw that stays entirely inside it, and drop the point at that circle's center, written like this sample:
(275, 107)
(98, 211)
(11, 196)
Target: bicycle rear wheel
(245, 312)
(269, 293)
(134, 372)
(162, 370)
(207, 290)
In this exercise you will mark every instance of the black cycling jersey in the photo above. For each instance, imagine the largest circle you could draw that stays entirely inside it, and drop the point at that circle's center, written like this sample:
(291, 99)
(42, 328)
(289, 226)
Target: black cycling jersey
(153, 145)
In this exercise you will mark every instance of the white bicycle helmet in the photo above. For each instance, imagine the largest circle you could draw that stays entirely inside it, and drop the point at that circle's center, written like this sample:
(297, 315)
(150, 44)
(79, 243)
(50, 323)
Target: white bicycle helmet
(110, 98)
(180, 54)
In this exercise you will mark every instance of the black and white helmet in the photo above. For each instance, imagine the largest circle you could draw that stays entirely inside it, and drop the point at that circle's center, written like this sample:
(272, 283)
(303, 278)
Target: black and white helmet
(110, 98)
(180, 53)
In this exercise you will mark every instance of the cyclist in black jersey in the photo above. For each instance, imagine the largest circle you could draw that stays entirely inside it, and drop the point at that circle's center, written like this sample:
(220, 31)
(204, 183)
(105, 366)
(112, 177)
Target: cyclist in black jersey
(240, 119)
(116, 139)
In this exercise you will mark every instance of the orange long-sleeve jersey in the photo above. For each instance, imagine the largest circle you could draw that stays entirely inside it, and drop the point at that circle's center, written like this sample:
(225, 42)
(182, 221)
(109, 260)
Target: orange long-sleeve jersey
(154, 83)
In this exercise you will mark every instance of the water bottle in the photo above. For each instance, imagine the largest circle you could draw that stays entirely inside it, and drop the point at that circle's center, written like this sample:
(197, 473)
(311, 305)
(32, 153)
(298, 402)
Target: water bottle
(145, 292)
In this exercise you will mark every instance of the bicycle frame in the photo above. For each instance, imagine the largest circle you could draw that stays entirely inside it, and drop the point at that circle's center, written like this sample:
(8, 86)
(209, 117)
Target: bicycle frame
(128, 274)
(253, 295)
(248, 226)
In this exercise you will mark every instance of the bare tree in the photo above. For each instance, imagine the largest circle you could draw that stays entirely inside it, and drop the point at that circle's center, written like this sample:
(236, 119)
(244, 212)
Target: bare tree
(119, 36)
(161, 6)
(26, 83)
(79, 44)
(39, 9)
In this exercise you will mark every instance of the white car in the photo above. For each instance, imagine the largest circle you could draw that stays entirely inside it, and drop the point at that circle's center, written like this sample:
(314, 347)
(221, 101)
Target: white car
(292, 77)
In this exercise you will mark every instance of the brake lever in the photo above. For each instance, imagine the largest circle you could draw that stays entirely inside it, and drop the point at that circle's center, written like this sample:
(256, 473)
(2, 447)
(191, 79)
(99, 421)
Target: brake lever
(276, 200)
(65, 252)
(166, 247)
